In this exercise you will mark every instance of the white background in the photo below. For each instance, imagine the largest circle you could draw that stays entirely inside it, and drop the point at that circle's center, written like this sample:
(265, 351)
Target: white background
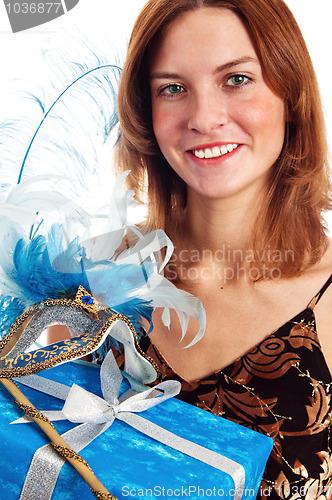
(20, 52)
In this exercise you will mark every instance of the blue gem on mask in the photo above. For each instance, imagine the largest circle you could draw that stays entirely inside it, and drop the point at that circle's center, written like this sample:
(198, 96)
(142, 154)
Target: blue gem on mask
(87, 299)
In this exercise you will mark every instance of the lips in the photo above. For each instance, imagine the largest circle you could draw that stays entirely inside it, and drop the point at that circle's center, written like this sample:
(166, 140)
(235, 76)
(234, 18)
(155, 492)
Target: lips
(214, 151)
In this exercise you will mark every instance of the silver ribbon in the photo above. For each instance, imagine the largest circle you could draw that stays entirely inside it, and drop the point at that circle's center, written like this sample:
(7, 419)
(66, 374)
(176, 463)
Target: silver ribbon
(97, 414)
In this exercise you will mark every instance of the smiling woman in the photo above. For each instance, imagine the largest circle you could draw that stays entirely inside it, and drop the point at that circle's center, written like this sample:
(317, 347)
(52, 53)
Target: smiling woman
(280, 55)
(228, 137)
(223, 127)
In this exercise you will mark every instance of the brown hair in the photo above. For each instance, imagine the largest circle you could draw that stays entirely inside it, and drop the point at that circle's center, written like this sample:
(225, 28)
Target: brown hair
(291, 218)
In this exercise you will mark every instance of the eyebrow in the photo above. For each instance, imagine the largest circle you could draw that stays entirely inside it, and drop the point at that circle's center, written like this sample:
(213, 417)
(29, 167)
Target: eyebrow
(236, 62)
(219, 69)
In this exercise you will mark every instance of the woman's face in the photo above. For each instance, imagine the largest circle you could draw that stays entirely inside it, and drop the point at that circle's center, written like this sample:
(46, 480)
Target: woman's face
(217, 123)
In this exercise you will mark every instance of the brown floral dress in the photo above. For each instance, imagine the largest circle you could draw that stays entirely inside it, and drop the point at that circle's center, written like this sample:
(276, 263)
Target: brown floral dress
(281, 388)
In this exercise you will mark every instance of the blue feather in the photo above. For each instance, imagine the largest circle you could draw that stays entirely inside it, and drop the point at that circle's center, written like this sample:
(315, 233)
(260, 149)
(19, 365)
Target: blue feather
(86, 74)
(69, 101)
(36, 276)
(11, 309)
(41, 277)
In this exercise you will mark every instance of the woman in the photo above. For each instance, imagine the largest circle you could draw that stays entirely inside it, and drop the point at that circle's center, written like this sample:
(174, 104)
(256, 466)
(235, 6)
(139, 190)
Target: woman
(221, 118)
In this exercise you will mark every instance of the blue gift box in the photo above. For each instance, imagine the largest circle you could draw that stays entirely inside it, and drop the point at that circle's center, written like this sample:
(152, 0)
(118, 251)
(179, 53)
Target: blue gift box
(129, 463)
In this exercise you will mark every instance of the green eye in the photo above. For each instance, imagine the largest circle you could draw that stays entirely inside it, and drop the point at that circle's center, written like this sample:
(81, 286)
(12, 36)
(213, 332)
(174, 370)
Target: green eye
(174, 89)
(171, 90)
(237, 80)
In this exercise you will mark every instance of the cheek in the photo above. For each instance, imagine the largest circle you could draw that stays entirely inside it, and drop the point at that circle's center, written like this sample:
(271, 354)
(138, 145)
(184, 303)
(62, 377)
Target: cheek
(158, 123)
(267, 115)
(274, 119)
(164, 136)
(268, 128)
(163, 133)
(167, 123)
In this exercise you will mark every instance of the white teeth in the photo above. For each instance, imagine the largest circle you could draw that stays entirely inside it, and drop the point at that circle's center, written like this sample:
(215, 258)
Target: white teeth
(216, 151)
(199, 153)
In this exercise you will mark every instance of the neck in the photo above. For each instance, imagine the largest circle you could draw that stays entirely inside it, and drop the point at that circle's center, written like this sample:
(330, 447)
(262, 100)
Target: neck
(209, 223)
(215, 234)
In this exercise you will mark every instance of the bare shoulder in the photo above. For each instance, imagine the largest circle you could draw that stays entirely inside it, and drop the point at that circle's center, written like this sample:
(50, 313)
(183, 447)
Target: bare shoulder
(325, 269)
(323, 310)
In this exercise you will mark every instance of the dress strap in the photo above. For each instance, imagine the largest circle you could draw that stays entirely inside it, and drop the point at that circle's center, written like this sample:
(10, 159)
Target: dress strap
(318, 296)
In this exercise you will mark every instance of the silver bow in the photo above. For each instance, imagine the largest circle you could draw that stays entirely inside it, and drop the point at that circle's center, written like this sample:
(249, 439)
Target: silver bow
(98, 414)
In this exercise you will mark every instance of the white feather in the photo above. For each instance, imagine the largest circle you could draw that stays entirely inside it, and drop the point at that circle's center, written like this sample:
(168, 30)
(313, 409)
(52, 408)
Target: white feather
(67, 119)
(162, 293)
(16, 214)
(57, 155)
(148, 245)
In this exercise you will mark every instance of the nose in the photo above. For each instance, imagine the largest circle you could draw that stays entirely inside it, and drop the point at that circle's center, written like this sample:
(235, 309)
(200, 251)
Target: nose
(207, 112)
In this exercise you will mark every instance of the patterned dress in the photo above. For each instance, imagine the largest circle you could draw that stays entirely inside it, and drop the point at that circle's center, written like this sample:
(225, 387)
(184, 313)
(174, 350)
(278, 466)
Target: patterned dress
(281, 388)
